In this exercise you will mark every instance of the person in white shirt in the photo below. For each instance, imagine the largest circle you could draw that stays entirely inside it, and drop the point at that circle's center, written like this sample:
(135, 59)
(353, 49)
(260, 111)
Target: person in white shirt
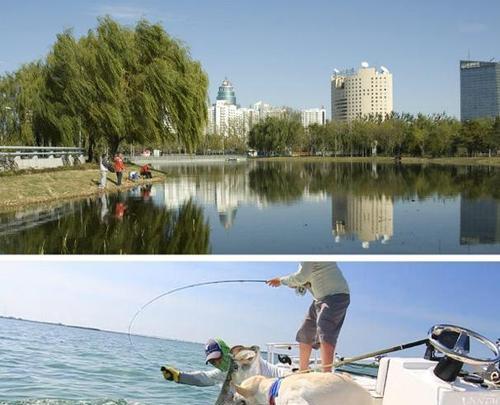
(104, 172)
(326, 315)
(217, 354)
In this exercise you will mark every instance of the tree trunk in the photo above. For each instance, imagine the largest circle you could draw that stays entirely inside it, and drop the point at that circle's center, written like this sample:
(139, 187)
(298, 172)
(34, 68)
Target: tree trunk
(91, 150)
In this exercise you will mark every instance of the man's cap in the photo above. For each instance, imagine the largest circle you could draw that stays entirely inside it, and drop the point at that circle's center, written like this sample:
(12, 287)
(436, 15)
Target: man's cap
(212, 350)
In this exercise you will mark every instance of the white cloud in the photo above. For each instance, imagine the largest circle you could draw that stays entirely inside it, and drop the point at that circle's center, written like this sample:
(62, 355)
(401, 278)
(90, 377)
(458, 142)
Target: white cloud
(122, 12)
(472, 27)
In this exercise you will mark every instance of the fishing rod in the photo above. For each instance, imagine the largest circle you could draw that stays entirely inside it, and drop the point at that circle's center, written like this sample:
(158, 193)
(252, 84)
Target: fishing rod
(343, 361)
(175, 290)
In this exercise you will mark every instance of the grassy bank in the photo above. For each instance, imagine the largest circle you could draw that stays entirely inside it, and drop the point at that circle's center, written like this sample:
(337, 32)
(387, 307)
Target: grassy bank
(28, 188)
(459, 161)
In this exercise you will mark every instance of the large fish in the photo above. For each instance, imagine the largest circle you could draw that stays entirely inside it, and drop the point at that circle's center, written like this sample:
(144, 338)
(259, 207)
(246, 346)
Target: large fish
(226, 393)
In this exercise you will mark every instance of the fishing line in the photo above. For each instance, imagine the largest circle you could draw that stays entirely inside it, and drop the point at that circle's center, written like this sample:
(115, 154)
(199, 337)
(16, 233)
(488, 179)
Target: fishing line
(173, 291)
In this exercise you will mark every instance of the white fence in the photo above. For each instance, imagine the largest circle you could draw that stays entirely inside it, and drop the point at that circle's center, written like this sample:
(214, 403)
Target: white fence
(39, 157)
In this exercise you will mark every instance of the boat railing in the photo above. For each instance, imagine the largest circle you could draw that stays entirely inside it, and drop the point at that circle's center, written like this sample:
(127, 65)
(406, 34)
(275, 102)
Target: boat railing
(291, 350)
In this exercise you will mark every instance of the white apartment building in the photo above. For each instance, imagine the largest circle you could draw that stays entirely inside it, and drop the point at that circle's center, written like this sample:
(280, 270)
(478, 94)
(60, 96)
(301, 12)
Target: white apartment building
(313, 116)
(359, 94)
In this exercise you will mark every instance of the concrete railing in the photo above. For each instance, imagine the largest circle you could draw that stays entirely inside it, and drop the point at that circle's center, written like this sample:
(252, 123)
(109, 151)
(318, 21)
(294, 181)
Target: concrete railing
(185, 159)
(39, 157)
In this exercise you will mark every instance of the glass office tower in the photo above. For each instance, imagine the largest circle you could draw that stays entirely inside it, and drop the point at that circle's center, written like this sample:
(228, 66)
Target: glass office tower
(479, 89)
(226, 92)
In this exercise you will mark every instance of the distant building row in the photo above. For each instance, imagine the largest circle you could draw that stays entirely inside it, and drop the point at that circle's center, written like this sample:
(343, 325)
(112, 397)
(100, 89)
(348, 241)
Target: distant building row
(226, 117)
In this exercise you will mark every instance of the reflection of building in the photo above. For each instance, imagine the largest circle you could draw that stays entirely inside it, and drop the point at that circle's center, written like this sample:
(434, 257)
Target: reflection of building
(367, 218)
(479, 89)
(479, 221)
(227, 192)
(358, 94)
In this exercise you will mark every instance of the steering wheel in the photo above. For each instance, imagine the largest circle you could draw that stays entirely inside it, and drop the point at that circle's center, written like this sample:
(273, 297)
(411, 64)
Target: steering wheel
(458, 351)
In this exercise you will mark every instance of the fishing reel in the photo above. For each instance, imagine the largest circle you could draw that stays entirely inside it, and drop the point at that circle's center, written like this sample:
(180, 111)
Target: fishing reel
(302, 290)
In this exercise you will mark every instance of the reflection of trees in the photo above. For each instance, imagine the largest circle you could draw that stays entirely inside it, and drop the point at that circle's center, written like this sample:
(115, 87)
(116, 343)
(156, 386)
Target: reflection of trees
(210, 172)
(279, 181)
(143, 229)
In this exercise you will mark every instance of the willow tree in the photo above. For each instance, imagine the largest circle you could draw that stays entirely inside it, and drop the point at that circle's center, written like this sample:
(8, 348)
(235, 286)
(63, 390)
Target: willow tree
(21, 105)
(121, 84)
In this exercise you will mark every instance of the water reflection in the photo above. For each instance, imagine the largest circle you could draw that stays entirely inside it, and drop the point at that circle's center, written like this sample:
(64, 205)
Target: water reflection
(479, 221)
(363, 198)
(125, 223)
(277, 207)
(225, 187)
(363, 218)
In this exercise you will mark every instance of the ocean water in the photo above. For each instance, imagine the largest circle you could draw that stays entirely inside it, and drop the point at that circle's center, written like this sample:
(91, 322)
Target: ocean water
(55, 365)
(47, 364)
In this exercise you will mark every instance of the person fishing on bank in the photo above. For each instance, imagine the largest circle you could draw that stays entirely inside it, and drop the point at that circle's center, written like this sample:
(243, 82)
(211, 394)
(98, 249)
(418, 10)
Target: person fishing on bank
(104, 172)
(217, 353)
(119, 168)
(321, 327)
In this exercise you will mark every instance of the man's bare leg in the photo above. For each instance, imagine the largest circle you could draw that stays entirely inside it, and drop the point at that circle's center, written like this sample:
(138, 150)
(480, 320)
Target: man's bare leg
(304, 356)
(326, 351)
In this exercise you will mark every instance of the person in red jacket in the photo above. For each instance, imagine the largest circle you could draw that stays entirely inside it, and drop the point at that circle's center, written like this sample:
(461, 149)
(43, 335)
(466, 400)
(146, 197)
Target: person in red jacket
(119, 168)
(146, 172)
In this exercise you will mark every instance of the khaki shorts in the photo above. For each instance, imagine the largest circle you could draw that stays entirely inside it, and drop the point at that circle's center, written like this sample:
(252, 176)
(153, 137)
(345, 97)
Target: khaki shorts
(324, 320)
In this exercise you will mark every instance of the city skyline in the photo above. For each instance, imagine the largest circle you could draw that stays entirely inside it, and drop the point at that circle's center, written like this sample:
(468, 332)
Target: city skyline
(282, 64)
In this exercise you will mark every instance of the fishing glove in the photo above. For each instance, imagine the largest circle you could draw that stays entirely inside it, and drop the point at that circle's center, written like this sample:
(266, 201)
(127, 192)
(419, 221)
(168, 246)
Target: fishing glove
(170, 374)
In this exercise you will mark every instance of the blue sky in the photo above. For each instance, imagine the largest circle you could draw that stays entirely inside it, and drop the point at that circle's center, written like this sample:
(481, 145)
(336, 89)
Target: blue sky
(391, 303)
(283, 52)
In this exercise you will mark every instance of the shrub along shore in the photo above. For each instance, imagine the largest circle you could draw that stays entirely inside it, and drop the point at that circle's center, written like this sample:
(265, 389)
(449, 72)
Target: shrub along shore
(48, 186)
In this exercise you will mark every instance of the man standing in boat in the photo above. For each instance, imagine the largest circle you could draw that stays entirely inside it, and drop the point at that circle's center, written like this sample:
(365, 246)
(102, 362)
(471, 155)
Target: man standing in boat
(321, 327)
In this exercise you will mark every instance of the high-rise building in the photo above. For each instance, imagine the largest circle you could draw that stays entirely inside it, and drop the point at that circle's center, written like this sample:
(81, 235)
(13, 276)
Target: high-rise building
(226, 92)
(363, 93)
(479, 89)
(313, 116)
(223, 115)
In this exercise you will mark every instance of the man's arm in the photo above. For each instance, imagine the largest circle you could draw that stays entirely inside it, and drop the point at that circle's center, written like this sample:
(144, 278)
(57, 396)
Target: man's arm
(299, 278)
(202, 378)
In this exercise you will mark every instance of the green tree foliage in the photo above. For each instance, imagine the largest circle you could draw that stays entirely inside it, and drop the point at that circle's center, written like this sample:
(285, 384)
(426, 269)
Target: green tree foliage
(277, 135)
(112, 86)
(395, 135)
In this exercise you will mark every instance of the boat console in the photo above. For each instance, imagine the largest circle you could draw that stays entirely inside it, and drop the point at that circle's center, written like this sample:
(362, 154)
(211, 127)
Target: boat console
(440, 377)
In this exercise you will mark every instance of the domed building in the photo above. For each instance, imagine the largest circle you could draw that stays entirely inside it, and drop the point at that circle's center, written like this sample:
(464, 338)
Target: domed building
(226, 92)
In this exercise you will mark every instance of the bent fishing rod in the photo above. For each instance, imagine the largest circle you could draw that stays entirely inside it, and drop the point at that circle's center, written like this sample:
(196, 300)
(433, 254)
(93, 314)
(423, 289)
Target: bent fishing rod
(175, 290)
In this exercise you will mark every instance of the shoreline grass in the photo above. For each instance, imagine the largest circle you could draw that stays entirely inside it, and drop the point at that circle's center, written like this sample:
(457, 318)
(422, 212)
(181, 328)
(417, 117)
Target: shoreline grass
(30, 188)
(454, 161)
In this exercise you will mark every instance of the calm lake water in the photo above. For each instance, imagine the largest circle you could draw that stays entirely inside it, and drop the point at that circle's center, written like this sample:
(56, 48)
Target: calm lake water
(276, 208)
